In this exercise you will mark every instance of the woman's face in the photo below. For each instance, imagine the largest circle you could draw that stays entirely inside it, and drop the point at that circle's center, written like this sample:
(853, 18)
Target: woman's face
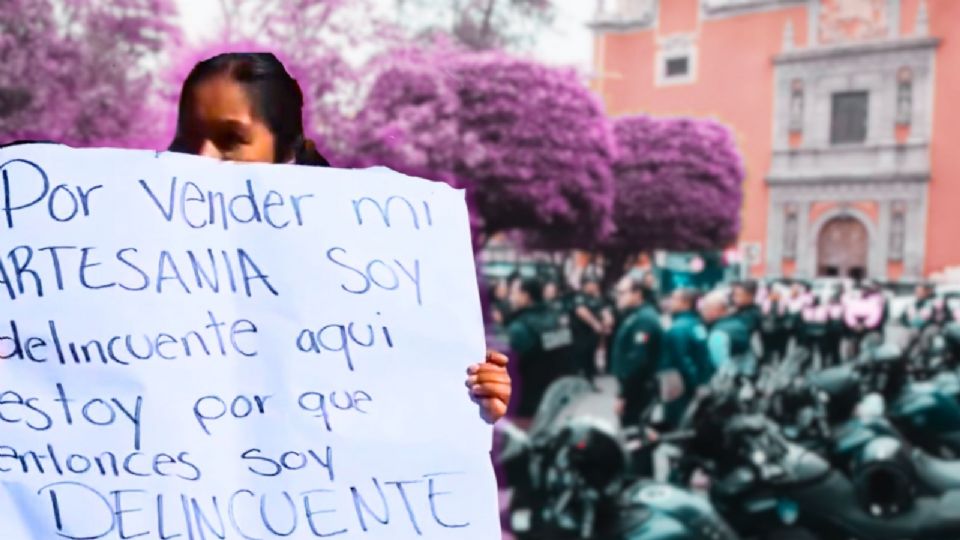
(220, 123)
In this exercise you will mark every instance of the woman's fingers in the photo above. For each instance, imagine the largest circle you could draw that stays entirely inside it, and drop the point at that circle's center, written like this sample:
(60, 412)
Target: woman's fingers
(490, 385)
(491, 390)
(484, 376)
(486, 368)
(497, 358)
(493, 359)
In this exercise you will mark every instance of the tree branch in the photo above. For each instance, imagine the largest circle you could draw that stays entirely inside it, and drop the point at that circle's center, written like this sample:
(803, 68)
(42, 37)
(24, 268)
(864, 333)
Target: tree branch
(486, 27)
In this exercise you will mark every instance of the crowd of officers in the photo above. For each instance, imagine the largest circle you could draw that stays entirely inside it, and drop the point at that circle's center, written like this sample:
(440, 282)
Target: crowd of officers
(662, 349)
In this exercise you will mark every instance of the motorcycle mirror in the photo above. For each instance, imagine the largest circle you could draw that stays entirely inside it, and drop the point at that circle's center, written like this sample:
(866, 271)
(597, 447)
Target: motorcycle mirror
(872, 406)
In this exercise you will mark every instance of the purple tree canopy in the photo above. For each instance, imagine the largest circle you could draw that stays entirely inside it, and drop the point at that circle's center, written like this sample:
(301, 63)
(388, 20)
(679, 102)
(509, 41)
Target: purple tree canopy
(77, 71)
(410, 120)
(529, 142)
(678, 185)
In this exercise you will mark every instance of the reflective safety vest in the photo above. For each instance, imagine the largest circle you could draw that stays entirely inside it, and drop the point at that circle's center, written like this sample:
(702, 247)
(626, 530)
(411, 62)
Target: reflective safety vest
(864, 313)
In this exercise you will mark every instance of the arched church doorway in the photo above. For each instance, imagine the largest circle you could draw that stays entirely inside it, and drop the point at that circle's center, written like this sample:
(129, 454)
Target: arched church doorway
(842, 248)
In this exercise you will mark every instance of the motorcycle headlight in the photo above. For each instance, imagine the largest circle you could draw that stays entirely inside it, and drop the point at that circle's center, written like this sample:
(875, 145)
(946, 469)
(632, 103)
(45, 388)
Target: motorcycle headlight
(883, 477)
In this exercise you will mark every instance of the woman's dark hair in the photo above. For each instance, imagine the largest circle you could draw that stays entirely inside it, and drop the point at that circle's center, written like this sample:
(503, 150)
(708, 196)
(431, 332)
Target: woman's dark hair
(276, 97)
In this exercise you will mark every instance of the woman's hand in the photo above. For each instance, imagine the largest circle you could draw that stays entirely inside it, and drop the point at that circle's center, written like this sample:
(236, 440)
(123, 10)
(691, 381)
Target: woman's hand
(490, 385)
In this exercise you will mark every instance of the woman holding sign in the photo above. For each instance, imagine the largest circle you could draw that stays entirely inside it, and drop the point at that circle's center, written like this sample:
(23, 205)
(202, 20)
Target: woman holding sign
(246, 107)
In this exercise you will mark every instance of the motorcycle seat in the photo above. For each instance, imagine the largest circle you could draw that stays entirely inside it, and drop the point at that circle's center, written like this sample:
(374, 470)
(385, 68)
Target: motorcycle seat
(935, 474)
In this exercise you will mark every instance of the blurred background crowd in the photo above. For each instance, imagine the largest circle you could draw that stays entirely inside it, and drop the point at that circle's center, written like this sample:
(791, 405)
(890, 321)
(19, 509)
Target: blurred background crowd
(662, 341)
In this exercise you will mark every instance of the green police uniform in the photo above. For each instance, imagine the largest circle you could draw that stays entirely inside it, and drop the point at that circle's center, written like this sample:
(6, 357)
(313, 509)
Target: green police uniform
(685, 351)
(542, 340)
(729, 344)
(634, 357)
(585, 338)
(563, 336)
(922, 313)
(751, 316)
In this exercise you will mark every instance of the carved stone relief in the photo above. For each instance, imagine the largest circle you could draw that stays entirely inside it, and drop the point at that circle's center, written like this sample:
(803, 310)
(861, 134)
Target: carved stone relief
(852, 20)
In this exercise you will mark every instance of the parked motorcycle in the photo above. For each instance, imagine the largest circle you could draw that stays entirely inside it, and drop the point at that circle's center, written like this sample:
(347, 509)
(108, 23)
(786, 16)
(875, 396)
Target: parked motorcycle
(764, 483)
(570, 478)
(818, 411)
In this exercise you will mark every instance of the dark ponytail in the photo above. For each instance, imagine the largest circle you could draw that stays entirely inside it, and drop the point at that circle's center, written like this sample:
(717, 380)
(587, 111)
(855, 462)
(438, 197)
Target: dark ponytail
(276, 97)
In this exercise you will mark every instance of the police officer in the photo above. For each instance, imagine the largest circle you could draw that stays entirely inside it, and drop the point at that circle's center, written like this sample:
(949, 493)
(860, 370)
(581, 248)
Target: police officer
(744, 297)
(865, 314)
(926, 309)
(800, 297)
(728, 338)
(589, 325)
(835, 328)
(685, 361)
(542, 341)
(774, 325)
(635, 350)
(552, 297)
(559, 300)
(815, 322)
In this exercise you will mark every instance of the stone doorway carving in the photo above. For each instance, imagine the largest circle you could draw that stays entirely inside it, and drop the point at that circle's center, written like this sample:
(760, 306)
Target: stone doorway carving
(843, 248)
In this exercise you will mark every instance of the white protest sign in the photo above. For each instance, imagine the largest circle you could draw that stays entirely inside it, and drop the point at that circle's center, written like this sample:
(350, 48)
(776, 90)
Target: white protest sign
(195, 349)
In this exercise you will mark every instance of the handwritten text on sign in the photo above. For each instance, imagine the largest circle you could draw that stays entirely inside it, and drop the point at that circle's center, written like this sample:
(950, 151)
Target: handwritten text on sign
(195, 350)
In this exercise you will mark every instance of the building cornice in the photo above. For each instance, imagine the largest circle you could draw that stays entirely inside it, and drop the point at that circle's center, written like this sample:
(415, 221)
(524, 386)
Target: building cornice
(847, 180)
(844, 50)
(619, 25)
(731, 8)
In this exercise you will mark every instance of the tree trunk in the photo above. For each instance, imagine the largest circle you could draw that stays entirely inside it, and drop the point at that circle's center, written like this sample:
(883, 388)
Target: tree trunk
(486, 27)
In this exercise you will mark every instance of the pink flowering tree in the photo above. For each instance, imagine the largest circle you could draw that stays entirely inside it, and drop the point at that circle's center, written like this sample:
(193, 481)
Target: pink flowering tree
(529, 142)
(78, 71)
(678, 186)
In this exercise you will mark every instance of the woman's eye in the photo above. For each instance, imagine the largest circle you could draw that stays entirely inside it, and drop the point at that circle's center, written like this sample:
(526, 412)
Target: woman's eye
(229, 141)
(232, 138)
